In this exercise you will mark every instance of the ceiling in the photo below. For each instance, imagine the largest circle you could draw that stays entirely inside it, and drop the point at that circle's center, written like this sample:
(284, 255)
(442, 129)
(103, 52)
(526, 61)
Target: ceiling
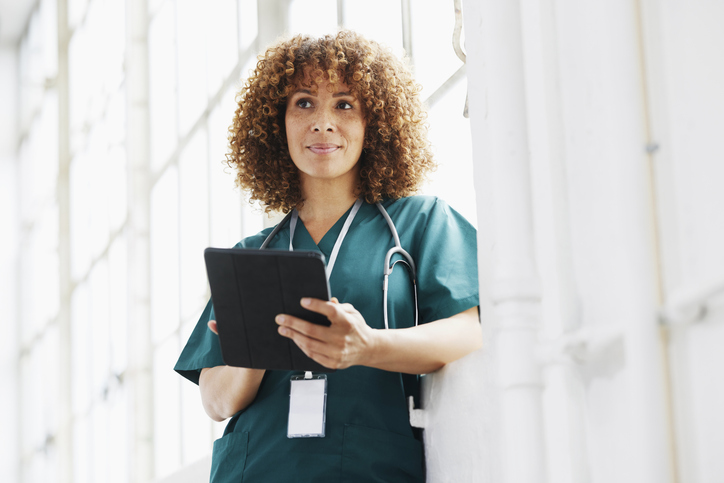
(13, 19)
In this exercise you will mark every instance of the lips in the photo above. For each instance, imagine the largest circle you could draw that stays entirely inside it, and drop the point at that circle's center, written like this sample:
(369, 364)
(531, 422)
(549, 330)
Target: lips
(323, 148)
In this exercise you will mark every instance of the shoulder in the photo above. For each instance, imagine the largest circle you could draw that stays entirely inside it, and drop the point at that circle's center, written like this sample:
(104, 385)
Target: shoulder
(422, 209)
(255, 241)
(415, 203)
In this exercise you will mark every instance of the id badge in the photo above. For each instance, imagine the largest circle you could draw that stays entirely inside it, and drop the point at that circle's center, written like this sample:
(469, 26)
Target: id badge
(307, 406)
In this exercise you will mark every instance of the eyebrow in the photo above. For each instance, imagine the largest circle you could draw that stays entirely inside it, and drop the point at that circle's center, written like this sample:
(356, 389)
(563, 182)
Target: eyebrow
(337, 94)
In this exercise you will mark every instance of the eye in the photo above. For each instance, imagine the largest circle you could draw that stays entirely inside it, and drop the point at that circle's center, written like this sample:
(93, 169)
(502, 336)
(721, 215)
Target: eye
(304, 103)
(344, 105)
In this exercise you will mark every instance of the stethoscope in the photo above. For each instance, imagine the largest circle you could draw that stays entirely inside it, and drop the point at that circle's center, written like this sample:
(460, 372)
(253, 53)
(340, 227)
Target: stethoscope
(406, 259)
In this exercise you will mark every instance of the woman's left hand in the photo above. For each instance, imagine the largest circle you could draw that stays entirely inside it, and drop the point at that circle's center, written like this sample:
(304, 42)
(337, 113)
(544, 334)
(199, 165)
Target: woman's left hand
(347, 342)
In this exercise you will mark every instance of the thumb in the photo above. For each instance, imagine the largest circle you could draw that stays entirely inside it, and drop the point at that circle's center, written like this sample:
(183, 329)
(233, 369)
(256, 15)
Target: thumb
(213, 327)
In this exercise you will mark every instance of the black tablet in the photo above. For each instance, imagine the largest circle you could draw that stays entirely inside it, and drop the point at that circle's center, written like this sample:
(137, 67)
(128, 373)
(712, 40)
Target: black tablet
(249, 288)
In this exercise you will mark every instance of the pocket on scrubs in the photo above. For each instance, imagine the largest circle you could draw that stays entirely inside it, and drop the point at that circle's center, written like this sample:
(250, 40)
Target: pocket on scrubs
(374, 455)
(228, 458)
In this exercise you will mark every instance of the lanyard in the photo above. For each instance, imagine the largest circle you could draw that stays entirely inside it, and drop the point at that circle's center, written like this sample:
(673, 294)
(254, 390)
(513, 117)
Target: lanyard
(340, 237)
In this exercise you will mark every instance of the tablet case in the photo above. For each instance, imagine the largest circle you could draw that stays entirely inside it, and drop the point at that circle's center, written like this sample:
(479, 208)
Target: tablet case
(249, 288)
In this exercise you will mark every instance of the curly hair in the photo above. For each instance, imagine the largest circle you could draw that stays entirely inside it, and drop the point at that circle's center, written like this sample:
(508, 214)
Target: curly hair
(396, 156)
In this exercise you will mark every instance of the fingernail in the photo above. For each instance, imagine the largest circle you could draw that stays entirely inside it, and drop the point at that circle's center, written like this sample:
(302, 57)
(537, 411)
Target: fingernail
(283, 330)
(306, 301)
(279, 319)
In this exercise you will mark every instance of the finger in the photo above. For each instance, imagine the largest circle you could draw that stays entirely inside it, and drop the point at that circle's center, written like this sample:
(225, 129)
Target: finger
(293, 324)
(349, 308)
(312, 348)
(212, 325)
(334, 300)
(328, 309)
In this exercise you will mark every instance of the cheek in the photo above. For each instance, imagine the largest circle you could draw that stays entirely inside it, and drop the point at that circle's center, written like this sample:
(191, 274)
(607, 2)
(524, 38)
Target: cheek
(361, 131)
(292, 131)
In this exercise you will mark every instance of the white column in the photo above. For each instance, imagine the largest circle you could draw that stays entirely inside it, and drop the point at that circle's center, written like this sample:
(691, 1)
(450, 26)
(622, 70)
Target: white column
(497, 110)
(65, 411)
(10, 436)
(562, 352)
(139, 376)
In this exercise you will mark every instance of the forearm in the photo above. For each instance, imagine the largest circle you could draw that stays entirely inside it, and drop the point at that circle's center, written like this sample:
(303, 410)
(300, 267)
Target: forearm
(226, 390)
(427, 347)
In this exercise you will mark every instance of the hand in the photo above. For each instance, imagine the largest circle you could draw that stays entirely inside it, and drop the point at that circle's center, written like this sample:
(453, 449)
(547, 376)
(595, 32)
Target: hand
(347, 342)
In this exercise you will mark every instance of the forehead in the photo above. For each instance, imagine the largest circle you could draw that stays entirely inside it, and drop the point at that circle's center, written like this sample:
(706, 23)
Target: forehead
(313, 88)
(311, 80)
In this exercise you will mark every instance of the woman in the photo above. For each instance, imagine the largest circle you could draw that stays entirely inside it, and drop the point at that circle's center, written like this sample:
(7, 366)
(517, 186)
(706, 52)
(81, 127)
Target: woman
(321, 124)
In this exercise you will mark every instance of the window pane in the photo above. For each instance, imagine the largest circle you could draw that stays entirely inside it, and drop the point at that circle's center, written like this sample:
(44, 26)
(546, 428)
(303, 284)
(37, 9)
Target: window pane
(32, 74)
(167, 417)
(49, 32)
(162, 80)
(82, 450)
(225, 199)
(44, 247)
(450, 136)
(81, 362)
(380, 20)
(32, 429)
(434, 55)
(99, 328)
(118, 437)
(117, 267)
(194, 225)
(98, 180)
(76, 11)
(80, 87)
(315, 17)
(99, 435)
(116, 188)
(164, 255)
(196, 429)
(190, 52)
(39, 161)
(49, 356)
(222, 52)
(248, 25)
(80, 222)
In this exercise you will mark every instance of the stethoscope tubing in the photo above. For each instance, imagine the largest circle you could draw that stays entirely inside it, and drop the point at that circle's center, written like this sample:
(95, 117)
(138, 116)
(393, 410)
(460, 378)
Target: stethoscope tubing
(389, 265)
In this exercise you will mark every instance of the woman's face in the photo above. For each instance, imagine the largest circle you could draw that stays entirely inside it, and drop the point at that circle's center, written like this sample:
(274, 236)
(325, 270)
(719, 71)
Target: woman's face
(325, 132)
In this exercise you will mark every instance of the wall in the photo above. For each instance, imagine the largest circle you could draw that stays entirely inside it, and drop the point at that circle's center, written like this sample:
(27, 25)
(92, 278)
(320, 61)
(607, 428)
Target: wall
(602, 121)
(686, 72)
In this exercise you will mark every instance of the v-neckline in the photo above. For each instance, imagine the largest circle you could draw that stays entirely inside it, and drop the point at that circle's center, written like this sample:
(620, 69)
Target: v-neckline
(305, 241)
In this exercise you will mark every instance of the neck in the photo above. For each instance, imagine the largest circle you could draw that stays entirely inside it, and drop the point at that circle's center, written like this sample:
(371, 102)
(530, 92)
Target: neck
(327, 198)
(323, 206)
(328, 205)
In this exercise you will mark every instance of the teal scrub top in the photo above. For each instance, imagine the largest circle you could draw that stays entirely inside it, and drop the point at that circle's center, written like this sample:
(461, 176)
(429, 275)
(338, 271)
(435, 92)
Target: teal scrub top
(368, 433)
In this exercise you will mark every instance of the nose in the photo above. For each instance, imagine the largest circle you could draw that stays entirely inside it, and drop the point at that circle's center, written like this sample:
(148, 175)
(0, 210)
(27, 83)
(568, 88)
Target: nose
(323, 121)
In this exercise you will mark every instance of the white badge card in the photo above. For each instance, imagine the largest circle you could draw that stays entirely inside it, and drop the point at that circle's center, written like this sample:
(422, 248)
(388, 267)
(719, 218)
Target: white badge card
(307, 406)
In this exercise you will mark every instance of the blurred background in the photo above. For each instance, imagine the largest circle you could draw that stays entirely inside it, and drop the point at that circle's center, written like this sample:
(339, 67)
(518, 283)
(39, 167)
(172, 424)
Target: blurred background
(591, 163)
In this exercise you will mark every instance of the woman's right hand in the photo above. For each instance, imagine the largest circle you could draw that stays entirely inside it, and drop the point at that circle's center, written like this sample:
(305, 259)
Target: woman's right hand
(226, 390)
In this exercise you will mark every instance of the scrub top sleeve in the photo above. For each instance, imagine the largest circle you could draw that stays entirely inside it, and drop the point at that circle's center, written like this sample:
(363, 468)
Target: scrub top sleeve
(447, 264)
(201, 350)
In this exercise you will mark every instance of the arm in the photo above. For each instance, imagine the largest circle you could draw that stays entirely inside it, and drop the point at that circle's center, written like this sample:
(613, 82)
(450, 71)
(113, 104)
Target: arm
(427, 347)
(350, 341)
(226, 390)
